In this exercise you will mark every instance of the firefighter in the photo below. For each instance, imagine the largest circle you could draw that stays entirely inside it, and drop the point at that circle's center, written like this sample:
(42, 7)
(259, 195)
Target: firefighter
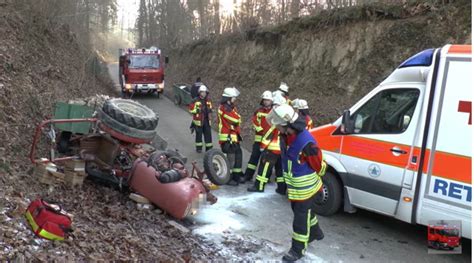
(284, 90)
(229, 132)
(270, 148)
(260, 126)
(195, 88)
(303, 110)
(303, 167)
(201, 109)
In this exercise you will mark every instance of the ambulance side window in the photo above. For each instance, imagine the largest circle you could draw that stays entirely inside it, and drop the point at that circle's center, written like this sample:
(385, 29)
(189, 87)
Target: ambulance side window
(388, 112)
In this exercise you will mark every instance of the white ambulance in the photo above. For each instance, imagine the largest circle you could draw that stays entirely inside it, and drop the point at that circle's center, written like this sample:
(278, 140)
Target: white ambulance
(404, 150)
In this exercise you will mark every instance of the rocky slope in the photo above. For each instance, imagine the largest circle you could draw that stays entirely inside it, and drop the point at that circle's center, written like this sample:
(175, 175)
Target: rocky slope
(41, 63)
(331, 60)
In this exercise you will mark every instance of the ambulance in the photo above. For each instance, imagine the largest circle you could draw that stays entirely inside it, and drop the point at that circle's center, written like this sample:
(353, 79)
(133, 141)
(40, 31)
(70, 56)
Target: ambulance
(404, 150)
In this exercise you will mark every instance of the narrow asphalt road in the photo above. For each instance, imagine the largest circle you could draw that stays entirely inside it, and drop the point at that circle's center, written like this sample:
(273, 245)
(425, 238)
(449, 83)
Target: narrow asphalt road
(257, 226)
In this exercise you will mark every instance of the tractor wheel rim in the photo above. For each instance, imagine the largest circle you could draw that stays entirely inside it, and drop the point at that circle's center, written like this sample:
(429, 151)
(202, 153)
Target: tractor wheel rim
(219, 166)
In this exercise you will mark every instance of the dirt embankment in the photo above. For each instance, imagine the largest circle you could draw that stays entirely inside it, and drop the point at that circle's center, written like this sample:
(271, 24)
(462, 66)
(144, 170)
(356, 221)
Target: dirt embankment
(41, 63)
(331, 60)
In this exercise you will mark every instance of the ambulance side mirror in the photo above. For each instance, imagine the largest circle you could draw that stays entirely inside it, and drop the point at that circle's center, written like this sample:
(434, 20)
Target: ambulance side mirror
(347, 126)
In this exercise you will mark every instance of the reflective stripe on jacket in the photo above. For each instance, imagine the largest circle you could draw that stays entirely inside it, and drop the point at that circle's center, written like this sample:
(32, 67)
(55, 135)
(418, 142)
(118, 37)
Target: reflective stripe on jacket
(199, 108)
(302, 181)
(271, 140)
(229, 123)
(260, 124)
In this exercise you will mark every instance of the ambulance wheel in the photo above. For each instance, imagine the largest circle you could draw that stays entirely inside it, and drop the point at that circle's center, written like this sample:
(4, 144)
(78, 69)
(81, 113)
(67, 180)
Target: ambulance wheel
(450, 248)
(217, 167)
(131, 114)
(329, 199)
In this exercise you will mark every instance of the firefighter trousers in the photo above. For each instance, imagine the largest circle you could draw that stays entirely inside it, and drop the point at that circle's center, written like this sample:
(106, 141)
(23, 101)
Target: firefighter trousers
(305, 224)
(205, 130)
(268, 161)
(253, 161)
(234, 154)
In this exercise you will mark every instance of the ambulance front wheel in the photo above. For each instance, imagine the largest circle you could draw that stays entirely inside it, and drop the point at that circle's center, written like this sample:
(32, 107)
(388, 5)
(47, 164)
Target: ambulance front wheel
(329, 199)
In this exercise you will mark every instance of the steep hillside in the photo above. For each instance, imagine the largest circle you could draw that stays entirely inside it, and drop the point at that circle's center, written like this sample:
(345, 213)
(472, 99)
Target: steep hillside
(41, 63)
(331, 60)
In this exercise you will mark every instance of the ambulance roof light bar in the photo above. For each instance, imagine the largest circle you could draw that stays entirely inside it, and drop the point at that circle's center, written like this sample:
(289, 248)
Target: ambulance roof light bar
(422, 59)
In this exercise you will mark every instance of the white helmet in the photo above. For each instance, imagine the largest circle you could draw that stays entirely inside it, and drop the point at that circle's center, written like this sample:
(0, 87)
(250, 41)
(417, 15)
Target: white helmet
(267, 95)
(278, 98)
(231, 92)
(203, 88)
(282, 115)
(295, 103)
(284, 87)
(300, 104)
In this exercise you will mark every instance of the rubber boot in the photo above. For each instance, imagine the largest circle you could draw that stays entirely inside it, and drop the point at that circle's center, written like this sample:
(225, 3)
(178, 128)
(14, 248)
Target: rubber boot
(318, 233)
(254, 189)
(291, 256)
(248, 176)
(235, 179)
(281, 189)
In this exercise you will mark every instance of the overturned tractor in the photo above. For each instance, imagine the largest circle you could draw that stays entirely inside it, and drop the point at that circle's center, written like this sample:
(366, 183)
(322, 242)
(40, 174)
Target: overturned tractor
(114, 142)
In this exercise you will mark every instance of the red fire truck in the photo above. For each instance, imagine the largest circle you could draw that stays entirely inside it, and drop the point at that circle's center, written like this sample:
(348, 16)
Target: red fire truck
(141, 71)
(443, 236)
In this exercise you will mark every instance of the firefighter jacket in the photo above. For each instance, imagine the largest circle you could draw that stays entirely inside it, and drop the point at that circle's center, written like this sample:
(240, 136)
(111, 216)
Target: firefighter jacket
(260, 124)
(201, 110)
(302, 178)
(309, 122)
(229, 124)
(271, 140)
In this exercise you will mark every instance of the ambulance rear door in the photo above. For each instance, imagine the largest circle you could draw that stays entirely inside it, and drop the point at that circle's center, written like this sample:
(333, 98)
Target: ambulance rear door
(444, 189)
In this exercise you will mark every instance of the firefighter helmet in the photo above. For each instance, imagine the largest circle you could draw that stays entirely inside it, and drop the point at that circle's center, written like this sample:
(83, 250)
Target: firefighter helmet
(203, 88)
(231, 92)
(267, 95)
(282, 115)
(300, 104)
(284, 87)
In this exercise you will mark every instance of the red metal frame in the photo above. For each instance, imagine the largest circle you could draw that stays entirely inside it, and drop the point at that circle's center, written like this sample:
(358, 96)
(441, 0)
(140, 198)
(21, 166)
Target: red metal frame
(38, 130)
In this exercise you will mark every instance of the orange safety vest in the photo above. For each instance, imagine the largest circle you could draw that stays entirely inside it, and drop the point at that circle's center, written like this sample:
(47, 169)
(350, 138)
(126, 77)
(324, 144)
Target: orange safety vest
(229, 123)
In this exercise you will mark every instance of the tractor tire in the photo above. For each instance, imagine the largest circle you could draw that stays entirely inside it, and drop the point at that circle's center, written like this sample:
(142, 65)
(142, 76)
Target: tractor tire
(329, 200)
(217, 167)
(117, 126)
(131, 114)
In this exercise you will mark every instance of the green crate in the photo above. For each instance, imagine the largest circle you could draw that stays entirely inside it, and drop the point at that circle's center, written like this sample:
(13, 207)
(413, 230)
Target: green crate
(72, 111)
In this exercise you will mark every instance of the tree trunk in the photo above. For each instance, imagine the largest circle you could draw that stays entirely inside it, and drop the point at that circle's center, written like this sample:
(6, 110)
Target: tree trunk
(217, 18)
